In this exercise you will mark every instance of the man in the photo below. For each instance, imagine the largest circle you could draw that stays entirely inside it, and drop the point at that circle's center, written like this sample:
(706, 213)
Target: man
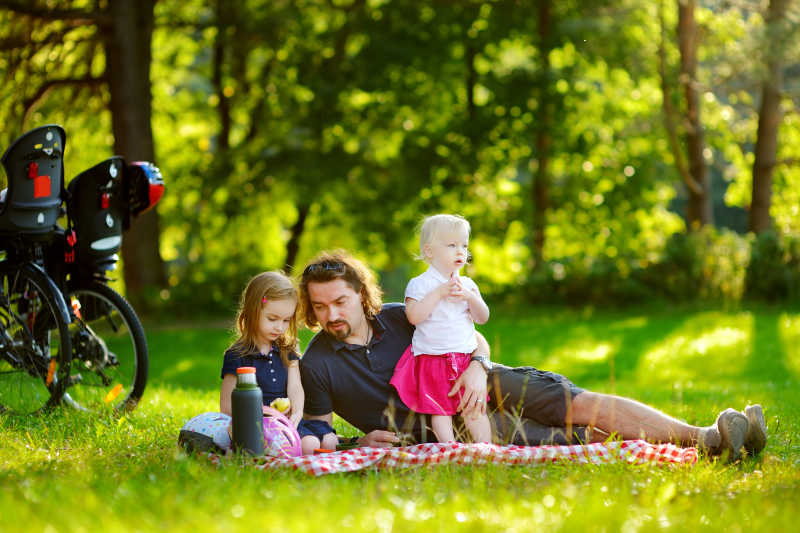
(347, 367)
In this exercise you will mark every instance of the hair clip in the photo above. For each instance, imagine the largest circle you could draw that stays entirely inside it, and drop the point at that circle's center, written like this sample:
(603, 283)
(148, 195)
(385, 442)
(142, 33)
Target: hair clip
(264, 300)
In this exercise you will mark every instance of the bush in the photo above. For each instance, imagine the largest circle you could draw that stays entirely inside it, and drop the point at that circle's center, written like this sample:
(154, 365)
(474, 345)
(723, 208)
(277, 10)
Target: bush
(774, 270)
(706, 265)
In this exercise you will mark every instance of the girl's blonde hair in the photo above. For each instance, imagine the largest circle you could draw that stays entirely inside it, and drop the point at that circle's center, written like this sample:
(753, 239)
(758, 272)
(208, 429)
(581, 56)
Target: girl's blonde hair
(435, 224)
(261, 289)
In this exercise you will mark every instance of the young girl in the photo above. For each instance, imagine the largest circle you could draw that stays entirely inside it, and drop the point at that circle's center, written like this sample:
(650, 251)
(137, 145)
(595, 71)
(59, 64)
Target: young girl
(443, 306)
(267, 329)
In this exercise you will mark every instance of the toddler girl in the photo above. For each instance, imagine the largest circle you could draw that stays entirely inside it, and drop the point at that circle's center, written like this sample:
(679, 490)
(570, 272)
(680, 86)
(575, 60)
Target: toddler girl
(443, 306)
(267, 340)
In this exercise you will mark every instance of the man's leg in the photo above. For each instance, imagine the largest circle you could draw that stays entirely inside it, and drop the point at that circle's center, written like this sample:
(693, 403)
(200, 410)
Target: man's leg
(634, 420)
(552, 400)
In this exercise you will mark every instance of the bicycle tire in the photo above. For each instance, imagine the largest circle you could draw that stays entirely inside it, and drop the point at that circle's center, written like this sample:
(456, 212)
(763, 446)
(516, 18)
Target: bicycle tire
(35, 350)
(110, 359)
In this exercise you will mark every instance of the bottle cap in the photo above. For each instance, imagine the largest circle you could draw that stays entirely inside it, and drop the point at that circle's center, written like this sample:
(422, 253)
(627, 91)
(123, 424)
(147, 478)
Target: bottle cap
(246, 370)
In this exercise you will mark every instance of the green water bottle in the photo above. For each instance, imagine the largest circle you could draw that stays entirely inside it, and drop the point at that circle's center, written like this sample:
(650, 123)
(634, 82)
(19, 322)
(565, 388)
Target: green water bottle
(247, 424)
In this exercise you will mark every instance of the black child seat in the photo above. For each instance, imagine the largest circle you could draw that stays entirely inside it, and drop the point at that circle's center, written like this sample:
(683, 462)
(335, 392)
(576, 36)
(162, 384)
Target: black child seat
(101, 202)
(98, 208)
(35, 172)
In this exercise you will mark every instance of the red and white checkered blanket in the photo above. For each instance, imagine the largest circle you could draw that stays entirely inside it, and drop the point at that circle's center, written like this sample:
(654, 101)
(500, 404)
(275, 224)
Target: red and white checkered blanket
(631, 451)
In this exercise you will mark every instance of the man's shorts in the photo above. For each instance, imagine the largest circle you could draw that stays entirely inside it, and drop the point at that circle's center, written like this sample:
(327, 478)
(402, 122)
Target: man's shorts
(534, 399)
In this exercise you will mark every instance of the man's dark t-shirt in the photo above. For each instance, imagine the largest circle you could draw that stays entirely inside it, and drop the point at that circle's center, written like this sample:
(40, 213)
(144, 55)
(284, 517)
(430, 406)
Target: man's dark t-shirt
(353, 380)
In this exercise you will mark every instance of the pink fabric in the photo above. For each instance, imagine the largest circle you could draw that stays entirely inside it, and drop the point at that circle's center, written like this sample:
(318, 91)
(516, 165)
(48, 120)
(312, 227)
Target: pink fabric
(423, 381)
(443, 453)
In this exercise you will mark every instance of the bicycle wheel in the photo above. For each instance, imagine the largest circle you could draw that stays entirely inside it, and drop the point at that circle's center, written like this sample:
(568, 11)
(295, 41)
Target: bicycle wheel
(109, 363)
(34, 342)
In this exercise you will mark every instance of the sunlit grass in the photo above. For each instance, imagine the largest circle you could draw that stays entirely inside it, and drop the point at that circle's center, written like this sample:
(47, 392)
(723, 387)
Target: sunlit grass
(713, 346)
(70, 471)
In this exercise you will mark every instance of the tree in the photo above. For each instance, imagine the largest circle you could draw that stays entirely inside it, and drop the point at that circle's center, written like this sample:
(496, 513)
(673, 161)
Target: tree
(695, 176)
(127, 44)
(119, 32)
(769, 117)
(544, 131)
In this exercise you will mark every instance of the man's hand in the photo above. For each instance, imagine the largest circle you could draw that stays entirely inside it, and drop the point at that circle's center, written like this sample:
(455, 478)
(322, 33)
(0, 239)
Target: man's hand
(473, 380)
(378, 438)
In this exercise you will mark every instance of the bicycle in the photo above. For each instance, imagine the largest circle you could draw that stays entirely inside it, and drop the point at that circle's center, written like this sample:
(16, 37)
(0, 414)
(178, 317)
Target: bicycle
(110, 356)
(35, 342)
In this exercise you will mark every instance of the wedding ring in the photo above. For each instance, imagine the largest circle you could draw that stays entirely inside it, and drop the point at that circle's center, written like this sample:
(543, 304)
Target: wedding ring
(479, 401)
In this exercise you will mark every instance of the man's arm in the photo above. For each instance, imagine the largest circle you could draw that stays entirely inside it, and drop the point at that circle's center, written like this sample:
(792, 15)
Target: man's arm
(473, 380)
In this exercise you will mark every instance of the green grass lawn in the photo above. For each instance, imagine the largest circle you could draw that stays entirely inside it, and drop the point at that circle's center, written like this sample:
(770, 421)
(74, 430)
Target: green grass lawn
(70, 471)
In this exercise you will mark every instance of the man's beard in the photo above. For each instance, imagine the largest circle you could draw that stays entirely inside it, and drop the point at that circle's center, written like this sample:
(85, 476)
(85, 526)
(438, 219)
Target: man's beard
(340, 334)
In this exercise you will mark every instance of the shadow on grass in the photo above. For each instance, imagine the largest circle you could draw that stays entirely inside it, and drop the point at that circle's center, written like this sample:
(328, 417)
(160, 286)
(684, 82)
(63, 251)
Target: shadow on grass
(767, 361)
(188, 358)
(584, 346)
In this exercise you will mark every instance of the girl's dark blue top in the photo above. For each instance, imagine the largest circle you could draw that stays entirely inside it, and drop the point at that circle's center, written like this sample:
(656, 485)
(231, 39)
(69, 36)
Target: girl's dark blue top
(271, 374)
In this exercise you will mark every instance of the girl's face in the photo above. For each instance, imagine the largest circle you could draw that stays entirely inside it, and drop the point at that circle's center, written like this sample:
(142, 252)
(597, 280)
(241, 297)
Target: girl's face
(274, 319)
(447, 251)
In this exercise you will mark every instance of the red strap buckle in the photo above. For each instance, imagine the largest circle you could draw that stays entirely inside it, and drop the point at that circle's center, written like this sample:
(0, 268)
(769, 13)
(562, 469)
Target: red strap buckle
(69, 255)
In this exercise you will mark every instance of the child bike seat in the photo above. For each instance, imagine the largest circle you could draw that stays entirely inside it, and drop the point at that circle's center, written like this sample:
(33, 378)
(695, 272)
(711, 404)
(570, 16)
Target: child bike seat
(35, 172)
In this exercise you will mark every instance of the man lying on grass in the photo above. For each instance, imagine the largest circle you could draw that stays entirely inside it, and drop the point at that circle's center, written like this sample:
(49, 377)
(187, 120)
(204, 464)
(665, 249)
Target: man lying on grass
(348, 364)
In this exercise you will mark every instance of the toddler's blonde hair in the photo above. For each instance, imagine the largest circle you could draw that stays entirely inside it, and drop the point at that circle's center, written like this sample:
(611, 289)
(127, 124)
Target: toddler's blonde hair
(435, 224)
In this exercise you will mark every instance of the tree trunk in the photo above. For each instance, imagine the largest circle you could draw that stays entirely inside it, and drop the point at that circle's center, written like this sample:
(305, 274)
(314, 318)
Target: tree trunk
(293, 246)
(699, 211)
(218, 60)
(769, 120)
(543, 140)
(127, 47)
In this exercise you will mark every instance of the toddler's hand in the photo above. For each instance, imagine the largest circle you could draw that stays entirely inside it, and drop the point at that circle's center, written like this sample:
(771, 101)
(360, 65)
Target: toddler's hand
(455, 288)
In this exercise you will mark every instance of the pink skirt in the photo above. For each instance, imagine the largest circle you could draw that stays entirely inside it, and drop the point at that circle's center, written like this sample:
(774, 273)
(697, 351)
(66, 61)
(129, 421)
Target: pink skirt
(423, 381)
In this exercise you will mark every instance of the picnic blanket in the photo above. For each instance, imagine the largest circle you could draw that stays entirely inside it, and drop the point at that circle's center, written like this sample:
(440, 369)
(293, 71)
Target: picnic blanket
(432, 454)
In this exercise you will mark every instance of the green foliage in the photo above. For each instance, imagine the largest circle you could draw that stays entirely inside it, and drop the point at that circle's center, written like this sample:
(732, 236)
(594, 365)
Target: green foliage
(72, 471)
(359, 117)
(773, 273)
(706, 265)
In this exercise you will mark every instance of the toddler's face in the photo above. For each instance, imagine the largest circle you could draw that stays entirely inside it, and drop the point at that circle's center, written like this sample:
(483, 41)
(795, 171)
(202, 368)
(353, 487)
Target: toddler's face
(447, 251)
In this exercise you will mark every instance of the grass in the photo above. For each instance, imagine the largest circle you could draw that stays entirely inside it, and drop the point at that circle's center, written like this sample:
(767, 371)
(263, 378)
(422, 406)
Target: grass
(70, 471)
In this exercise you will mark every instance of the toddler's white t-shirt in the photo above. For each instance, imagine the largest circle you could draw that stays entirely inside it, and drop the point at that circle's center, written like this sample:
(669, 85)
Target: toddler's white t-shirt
(449, 328)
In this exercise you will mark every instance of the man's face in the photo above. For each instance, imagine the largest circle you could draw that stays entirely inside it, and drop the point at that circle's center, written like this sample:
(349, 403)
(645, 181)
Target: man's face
(337, 307)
